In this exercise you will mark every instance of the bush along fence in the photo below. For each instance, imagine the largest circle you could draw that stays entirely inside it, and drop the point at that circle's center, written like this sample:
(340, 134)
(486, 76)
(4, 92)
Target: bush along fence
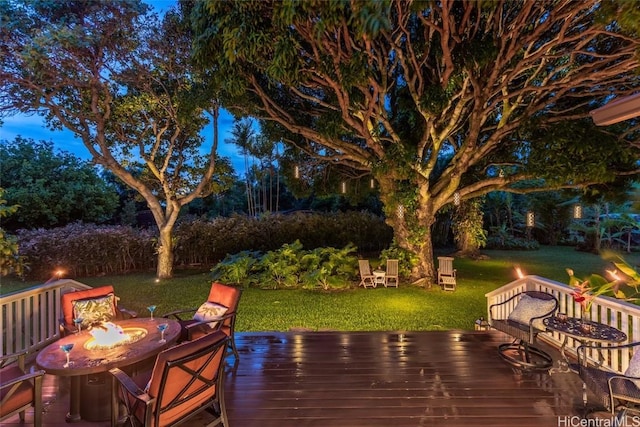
(84, 250)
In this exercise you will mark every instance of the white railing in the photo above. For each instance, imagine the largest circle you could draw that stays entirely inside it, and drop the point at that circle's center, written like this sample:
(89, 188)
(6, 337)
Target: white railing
(30, 319)
(610, 311)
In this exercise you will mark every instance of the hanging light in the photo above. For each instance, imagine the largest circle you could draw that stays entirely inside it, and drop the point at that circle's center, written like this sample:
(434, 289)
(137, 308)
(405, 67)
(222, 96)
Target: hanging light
(456, 198)
(372, 183)
(296, 172)
(531, 219)
(577, 211)
(343, 187)
(400, 211)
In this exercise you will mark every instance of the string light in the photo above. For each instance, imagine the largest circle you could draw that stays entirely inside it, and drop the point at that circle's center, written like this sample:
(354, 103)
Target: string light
(531, 219)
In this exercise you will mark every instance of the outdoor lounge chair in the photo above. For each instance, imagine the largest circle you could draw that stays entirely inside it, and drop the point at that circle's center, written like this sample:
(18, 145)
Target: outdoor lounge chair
(19, 389)
(186, 380)
(93, 306)
(446, 273)
(391, 274)
(367, 279)
(521, 317)
(217, 313)
(617, 392)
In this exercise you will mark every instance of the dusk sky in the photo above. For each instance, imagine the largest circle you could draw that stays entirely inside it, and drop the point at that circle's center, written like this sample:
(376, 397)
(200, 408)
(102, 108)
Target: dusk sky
(34, 126)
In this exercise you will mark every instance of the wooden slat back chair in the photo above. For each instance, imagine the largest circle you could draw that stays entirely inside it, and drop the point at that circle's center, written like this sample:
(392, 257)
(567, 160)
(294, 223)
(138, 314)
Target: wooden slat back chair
(366, 278)
(617, 392)
(446, 273)
(196, 324)
(186, 380)
(19, 389)
(391, 274)
(102, 298)
(523, 323)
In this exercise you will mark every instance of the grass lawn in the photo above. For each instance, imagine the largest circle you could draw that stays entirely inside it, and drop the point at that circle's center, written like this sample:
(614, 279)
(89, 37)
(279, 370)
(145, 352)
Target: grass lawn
(406, 308)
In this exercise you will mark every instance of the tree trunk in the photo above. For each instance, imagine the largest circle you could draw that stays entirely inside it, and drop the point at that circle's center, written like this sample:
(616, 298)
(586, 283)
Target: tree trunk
(416, 239)
(165, 253)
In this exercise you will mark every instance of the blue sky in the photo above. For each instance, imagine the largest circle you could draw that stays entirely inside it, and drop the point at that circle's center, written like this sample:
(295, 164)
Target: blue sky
(34, 126)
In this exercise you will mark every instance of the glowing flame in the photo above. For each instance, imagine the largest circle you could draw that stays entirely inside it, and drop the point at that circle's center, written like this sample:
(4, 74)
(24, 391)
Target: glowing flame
(108, 334)
(519, 272)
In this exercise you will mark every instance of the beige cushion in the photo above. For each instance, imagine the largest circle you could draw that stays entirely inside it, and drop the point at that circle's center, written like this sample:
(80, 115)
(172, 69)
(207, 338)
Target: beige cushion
(210, 311)
(529, 307)
(633, 370)
(94, 310)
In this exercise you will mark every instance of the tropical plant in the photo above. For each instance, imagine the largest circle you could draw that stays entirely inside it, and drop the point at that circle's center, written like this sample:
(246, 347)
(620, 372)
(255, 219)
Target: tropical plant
(624, 278)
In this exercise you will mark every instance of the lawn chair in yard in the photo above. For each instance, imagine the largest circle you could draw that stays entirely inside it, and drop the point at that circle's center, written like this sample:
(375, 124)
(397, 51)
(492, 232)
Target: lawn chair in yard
(218, 312)
(391, 275)
(186, 380)
(367, 279)
(446, 273)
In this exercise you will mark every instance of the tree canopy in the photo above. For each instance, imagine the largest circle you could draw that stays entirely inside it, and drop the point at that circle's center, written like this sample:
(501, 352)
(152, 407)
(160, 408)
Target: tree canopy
(435, 100)
(51, 188)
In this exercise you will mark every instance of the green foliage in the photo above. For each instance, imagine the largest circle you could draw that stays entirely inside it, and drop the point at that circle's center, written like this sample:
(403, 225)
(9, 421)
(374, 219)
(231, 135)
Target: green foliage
(52, 188)
(289, 266)
(468, 229)
(509, 242)
(11, 262)
(236, 269)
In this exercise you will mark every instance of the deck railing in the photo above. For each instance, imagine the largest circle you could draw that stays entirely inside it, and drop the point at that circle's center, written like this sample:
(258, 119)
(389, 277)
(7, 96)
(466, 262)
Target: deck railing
(30, 319)
(610, 311)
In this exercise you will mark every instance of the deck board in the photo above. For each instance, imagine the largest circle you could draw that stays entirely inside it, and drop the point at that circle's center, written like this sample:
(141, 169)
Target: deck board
(447, 378)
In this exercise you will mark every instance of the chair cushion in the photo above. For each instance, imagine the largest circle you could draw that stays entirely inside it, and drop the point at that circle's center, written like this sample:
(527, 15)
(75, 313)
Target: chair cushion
(22, 392)
(94, 310)
(69, 297)
(529, 307)
(210, 311)
(633, 370)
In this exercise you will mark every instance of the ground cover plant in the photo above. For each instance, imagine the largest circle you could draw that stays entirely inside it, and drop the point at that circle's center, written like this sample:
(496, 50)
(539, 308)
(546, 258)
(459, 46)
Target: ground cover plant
(356, 309)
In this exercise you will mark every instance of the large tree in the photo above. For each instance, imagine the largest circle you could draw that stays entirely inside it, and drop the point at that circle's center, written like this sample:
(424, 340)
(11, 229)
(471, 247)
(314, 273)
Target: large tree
(121, 80)
(435, 100)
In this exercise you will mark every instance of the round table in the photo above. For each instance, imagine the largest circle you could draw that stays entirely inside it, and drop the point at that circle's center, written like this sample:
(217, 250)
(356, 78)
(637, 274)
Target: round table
(91, 361)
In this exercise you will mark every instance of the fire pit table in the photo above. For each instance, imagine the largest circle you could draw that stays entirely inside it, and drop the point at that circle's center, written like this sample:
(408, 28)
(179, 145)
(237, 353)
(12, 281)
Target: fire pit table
(140, 341)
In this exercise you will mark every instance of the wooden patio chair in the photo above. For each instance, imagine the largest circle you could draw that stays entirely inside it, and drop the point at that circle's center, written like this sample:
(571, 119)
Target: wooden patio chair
(446, 273)
(391, 275)
(93, 306)
(186, 380)
(523, 323)
(19, 389)
(618, 393)
(367, 279)
(217, 313)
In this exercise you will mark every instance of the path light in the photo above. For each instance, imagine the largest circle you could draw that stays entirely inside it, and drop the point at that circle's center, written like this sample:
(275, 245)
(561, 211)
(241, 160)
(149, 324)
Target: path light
(531, 219)
(577, 211)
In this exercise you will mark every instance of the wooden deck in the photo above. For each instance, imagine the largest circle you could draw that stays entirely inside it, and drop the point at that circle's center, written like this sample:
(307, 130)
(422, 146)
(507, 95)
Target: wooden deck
(313, 379)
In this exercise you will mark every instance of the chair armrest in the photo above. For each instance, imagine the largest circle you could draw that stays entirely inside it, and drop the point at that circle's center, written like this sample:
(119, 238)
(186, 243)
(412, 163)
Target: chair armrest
(176, 314)
(27, 376)
(130, 386)
(20, 357)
